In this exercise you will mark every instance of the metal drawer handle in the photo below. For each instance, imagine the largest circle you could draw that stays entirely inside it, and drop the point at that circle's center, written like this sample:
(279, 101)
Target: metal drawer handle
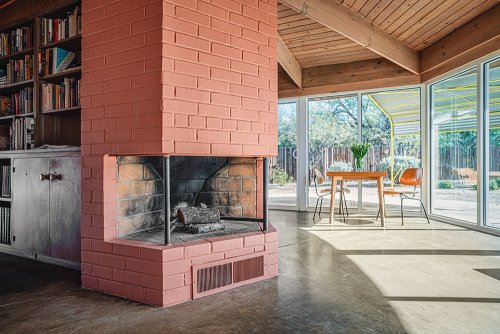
(44, 177)
(55, 177)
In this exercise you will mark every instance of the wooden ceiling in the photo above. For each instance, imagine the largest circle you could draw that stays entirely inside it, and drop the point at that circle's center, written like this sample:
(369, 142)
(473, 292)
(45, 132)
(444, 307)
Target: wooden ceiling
(417, 23)
(408, 25)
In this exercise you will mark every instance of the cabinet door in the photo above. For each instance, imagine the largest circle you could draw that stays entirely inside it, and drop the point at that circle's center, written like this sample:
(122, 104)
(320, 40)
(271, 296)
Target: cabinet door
(30, 205)
(65, 208)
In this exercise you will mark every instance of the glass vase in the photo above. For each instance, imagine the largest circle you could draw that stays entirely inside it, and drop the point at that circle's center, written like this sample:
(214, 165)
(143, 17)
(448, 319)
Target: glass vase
(359, 165)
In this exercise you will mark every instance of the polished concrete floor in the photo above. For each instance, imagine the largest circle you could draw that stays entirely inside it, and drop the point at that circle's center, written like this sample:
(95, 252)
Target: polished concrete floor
(345, 278)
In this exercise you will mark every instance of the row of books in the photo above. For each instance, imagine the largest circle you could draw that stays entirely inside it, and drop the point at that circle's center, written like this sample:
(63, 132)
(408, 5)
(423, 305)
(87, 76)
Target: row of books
(22, 134)
(54, 30)
(17, 71)
(55, 60)
(17, 40)
(5, 179)
(18, 103)
(5, 225)
(59, 96)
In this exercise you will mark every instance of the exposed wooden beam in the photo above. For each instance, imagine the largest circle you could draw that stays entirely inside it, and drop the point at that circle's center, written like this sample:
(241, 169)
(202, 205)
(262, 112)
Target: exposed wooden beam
(359, 75)
(337, 17)
(289, 63)
(475, 39)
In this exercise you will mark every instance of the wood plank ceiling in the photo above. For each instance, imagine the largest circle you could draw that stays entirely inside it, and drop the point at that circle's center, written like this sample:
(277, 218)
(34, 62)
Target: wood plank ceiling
(416, 23)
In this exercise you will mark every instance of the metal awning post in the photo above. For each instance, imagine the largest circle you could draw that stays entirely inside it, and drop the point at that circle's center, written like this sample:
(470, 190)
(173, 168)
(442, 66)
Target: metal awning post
(166, 197)
(265, 195)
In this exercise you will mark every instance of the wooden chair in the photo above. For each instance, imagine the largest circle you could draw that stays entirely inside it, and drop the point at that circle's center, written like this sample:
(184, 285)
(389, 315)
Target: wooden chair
(319, 180)
(410, 177)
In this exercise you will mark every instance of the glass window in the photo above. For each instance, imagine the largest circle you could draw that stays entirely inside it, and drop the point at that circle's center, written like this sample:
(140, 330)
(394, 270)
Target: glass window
(283, 174)
(391, 125)
(493, 114)
(454, 146)
(333, 128)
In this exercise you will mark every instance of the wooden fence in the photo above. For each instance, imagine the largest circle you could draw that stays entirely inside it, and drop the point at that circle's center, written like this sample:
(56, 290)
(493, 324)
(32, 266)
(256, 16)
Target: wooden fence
(449, 158)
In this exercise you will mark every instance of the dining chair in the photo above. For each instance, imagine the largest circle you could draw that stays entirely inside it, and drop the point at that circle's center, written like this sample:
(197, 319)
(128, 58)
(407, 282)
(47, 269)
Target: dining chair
(410, 177)
(321, 193)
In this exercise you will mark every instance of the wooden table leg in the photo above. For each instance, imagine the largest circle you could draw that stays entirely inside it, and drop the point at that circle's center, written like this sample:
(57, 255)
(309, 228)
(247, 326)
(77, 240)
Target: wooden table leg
(380, 187)
(332, 197)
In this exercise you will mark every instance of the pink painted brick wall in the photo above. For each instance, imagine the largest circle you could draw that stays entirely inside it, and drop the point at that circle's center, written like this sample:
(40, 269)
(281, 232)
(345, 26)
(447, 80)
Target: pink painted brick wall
(219, 63)
(164, 76)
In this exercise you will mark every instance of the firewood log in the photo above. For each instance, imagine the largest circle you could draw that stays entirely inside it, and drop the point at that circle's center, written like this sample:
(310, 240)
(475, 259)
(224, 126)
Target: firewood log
(204, 228)
(195, 215)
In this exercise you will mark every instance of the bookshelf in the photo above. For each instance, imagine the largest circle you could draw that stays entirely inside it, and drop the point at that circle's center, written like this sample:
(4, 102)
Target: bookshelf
(42, 36)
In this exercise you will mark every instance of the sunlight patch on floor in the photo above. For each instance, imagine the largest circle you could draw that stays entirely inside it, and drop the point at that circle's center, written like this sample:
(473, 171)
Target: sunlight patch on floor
(428, 274)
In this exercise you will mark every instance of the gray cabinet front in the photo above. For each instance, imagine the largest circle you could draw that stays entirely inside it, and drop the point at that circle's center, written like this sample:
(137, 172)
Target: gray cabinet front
(30, 205)
(64, 208)
(46, 206)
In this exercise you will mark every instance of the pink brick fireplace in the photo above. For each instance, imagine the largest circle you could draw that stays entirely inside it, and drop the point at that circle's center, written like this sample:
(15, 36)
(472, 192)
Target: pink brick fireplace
(173, 78)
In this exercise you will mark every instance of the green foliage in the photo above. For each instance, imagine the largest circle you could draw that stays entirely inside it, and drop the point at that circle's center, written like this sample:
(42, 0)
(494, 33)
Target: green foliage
(340, 166)
(494, 184)
(287, 124)
(400, 164)
(281, 177)
(332, 123)
(359, 150)
(445, 184)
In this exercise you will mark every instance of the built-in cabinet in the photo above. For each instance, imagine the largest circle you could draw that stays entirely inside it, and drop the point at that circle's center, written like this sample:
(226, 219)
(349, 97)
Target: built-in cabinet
(45, 205)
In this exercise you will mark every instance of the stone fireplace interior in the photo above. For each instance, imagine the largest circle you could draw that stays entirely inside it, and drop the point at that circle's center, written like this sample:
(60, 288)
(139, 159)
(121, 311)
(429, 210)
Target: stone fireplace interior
(227, 184)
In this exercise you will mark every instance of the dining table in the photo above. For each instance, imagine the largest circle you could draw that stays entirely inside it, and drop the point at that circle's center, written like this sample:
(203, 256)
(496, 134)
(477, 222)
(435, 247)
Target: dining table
(360, 176)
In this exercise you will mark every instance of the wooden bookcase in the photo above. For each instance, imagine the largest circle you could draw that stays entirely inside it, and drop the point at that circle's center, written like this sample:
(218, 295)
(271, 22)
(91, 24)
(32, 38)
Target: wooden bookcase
(53, 127)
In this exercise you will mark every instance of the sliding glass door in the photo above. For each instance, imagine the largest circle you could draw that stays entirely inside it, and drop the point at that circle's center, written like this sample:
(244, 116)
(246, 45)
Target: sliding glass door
(454, 146)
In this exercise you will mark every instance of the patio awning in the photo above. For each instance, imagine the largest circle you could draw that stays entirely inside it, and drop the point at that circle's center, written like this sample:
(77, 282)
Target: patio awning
(452, 99)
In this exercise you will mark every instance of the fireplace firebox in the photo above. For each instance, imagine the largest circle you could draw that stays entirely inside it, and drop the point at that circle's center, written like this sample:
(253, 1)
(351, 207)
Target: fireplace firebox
(185, 198)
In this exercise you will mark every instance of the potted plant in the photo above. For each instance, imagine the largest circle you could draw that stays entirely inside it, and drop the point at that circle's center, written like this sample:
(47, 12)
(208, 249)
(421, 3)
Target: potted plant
(359, 151)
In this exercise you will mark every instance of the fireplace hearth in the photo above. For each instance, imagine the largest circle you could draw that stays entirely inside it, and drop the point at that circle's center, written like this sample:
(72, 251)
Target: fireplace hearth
(200, 197)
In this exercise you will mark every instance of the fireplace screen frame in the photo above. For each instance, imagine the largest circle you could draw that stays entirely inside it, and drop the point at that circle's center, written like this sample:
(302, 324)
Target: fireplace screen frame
(170, 226)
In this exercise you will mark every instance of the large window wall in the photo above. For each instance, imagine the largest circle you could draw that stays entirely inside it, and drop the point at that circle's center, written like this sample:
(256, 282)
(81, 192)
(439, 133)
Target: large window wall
(460, 158)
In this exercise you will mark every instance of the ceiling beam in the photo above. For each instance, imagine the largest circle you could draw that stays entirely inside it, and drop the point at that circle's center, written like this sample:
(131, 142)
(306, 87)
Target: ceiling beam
(359, 75)
(289, 63)
(475, 39)
(337, 17)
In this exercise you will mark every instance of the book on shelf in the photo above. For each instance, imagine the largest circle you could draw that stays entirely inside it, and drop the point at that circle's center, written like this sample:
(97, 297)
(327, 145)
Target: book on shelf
(5, 106)
(17, 70)
(22, 134)
(60, 96)
(5, 179)
(16, 40)
(56, 60)
(5, 225)
(4, 137)
(18, 103)
(56, 29)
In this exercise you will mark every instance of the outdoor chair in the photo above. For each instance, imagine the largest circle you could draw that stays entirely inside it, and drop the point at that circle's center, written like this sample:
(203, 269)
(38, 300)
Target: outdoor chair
(319, 180)
(410, 177)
